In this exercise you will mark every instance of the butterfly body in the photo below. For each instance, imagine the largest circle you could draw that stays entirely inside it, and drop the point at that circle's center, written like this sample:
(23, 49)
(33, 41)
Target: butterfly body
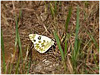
(41, 43)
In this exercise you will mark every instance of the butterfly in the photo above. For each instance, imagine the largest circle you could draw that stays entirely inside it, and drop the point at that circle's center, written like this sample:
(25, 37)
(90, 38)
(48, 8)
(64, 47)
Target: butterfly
(41, 43)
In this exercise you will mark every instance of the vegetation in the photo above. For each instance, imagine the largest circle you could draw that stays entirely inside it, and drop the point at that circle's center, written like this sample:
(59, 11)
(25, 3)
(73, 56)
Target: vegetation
(73, 25)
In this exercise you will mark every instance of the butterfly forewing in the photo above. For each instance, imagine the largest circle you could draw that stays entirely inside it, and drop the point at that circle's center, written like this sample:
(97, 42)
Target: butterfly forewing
(41, 43)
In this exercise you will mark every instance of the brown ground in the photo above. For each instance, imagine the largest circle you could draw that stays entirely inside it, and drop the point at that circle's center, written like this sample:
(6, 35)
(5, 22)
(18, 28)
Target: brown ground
(36, 18)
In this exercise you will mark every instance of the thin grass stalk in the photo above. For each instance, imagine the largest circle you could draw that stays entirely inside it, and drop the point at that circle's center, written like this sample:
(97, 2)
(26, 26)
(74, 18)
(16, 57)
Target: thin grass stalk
(92, 38)
(25, 60)
(3, 53)
(95, 43)
(55, 8)
(52, 10)
(68, 18)
(10, 69)
(66, 27)
(76, 34)
(65, 53)
(17, 40)
(59, 45)
(46, 7)
(29, 65)
(17, 65)
(77, 43)
(20, 47)
(61, 50)
(11, 65)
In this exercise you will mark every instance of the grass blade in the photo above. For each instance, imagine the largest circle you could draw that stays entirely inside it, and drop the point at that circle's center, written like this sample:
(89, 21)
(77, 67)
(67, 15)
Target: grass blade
(76, 34)
(66, 27)
(65, 53)
(92, 38)
(29, 65)
(68, 18)
(77, 42)
(3, 53)
(17, 65)
(55, 9)
(59, 45)
(17, 40)
(96, 45)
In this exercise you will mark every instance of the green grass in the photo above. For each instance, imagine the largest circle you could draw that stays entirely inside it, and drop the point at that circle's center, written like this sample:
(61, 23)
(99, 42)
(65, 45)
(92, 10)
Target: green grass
(96, 45)
(86, 3)
(66, 27)
(18, 41)
(66, 45)
(10, 68)
(29, 65)
(68, 18)
(75, 57)
(3, 53)
(17, 66)
(17, 47)
(92, 38)
(63, 52)
(60, 48)
(52, 10)
(55, 7)
(75, 52)
(59, 45)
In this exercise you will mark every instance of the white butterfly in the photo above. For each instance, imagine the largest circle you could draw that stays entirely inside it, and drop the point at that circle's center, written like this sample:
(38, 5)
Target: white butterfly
(41, 43)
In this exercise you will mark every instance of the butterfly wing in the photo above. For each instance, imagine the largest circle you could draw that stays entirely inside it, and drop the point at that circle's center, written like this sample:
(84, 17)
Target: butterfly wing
(41, 43)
